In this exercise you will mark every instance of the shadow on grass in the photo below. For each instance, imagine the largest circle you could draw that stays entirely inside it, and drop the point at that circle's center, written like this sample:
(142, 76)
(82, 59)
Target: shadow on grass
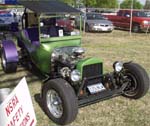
(39, 100)
(11, 81)
(3, 74)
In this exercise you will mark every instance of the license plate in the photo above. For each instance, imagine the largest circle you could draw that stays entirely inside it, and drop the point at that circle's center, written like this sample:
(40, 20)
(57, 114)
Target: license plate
(104, 29)
(96, 88)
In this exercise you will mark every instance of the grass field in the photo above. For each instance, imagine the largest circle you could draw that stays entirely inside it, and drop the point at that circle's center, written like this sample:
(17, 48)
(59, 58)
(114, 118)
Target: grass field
(118, 45)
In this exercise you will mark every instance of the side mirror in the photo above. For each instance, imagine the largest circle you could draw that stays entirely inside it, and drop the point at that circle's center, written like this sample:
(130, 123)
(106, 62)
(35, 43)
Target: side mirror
(127, 15)
(41, 24)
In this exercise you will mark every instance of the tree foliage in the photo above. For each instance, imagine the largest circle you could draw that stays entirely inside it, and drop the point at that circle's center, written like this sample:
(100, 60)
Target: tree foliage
(101, 3)
(126, 4)
(95, 3)
(70, 2)
(147, 4)
(107, 3)
(90, 3)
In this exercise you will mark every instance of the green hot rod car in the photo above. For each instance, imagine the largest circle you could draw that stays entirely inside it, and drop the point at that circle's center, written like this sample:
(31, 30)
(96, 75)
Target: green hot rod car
(72, 81)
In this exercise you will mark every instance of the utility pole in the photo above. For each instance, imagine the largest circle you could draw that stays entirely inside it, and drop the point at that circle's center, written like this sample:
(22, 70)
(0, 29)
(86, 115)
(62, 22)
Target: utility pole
(131, 17)
(119, 2)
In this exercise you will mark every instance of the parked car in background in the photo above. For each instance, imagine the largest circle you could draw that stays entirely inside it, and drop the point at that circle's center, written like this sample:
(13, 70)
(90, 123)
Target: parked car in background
(147, 13)
(95, 22)
(1, 21)
(66, 23)
(140, 20)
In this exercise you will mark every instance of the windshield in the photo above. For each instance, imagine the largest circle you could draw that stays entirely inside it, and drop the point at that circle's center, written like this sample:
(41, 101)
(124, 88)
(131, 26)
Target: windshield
(147, 13)
(95, 17)
(140, 14)
(57, 26)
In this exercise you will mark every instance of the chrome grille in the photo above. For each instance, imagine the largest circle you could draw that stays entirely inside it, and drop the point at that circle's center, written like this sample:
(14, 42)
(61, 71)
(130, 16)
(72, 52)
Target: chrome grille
(104, 25)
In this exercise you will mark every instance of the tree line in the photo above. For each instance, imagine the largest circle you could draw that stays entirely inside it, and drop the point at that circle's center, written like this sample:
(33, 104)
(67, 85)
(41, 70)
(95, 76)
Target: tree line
(123, 4)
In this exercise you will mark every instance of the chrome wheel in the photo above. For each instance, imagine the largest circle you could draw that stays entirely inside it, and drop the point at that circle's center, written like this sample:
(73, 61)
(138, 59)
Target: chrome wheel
(59, 101)
(54, 103)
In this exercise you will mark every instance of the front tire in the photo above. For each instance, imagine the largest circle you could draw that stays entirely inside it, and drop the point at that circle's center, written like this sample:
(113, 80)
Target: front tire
(60, 102)
(139, 82)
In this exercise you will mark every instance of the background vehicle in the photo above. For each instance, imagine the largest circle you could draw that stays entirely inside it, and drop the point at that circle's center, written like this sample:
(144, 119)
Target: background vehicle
(71, 81)
(147, 13)
(140, 20)
(1, 21)
(66, 23)
(95, 22)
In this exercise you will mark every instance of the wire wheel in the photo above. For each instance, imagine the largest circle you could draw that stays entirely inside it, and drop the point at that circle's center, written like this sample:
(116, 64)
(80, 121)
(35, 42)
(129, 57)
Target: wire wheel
(131, 89)
(138, 81)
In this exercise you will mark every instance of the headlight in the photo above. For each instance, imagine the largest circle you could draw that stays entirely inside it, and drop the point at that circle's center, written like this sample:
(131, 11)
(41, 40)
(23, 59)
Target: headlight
(75, 75)
(93, 24)
(145, 22)
(118, 66)
(72, 23)
(111, 25)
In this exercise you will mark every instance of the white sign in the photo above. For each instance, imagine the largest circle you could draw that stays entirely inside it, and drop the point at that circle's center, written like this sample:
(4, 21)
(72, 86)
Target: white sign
(17, 109)
(61, 33)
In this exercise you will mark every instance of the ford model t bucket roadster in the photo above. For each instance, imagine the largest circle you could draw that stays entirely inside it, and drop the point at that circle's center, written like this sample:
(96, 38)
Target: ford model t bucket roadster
(72, 81)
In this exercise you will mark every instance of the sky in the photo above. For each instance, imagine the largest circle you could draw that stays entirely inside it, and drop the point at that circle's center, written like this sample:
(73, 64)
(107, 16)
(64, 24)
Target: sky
(142, 1)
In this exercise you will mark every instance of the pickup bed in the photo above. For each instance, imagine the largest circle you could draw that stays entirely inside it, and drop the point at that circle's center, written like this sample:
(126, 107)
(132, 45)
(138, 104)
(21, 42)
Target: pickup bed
(140, 21)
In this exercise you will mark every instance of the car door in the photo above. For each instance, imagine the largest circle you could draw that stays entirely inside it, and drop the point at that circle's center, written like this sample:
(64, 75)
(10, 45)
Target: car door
(126, 19)
(123, 19)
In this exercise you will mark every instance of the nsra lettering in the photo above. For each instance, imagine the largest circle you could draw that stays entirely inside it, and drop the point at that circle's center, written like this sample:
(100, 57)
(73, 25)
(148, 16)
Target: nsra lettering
(11, 105)
(16, 117)
(25, 120)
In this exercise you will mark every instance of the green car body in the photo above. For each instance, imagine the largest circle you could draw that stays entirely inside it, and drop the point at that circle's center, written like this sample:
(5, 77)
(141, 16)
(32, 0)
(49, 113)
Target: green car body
(41, 55)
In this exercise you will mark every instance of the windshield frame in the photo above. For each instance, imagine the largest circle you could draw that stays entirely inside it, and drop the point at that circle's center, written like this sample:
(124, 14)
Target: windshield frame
(55, 16)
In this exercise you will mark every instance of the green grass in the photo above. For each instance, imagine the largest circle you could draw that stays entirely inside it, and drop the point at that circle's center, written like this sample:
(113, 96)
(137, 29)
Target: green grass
(119, 111)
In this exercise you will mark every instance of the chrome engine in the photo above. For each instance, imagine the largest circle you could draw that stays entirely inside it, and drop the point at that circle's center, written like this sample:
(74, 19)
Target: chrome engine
(66, 59)
(67, 55)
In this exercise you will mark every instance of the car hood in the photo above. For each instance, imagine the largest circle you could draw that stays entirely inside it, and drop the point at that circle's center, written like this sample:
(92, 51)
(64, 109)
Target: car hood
(99, 22)
(142, 18)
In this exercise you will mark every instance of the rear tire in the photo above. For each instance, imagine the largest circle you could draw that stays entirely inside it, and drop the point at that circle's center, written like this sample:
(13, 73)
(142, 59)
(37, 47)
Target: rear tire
(7, 67)
(86, 28)
(136, 28)
(59, 101)
(138, 81)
